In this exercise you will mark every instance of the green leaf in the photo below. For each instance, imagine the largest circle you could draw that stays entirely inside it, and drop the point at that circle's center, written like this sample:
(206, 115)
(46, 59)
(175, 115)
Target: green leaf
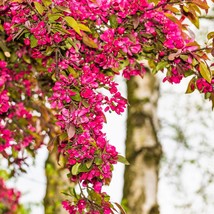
(47, 2)
(89, 163)
(148, 36)
(13, 57)
(4, 174)
(148, 48)
(84, 28)
(68, 44)
(72, 72)
(75, 169)
(205, 72)
(63, 136)
(26, 58)
(207, 95)
(161, 65)
(49, 50)
(194, 62)
(188, 72)
(83, 168)
(64, 9)
(122, 159)
(5, 49)
(184, 57)
(33, 41)
(2, 57)
(39, 8)
(1, 28)
(96, 197)
(85, 103)
(54, 17)
(67, 194)
(60, 29)
(73, 23)
(98, 161)
(124, 63)
(113, 21)
(76, 97)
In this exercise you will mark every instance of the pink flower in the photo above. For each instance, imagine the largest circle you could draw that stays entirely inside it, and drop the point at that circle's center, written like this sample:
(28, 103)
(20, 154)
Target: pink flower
(6, 137)
(4, 102)
(108, 35)
(97, 186)
(27, 41)
(81, 204)
(57, 37)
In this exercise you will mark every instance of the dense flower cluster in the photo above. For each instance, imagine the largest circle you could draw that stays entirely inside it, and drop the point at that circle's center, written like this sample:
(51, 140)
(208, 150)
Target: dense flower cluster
(15, 88)
(74, 49)
(9, 199)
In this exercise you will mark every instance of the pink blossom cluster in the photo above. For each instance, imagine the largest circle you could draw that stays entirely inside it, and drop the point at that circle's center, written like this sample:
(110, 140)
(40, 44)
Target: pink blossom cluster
(81, 115)
(203, 86)
(14, 90)
(9, 199)
(4, 77)
(5, 138)
(82, 206)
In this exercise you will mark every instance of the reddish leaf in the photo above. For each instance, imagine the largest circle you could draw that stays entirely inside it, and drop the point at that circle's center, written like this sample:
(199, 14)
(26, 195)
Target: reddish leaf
(71, 131)
(212, 52)
(191, 86)
(50, 146)
(89, 42)
(172, 56)
(136, 21)
(172, 9)
(201, 4)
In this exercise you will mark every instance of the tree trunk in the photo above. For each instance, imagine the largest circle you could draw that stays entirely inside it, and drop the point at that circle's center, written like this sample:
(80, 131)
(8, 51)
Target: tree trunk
(57, 182)
(143, 150)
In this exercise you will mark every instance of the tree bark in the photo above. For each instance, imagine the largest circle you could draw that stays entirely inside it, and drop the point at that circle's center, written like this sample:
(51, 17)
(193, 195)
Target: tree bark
(57, 182)
(143, 149)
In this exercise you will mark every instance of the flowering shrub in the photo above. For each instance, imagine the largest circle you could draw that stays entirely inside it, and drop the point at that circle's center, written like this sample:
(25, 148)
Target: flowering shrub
(63, 52)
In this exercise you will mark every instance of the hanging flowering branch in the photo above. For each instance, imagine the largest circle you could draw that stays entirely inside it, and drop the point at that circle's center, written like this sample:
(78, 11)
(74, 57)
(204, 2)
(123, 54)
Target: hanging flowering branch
(64, 52)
